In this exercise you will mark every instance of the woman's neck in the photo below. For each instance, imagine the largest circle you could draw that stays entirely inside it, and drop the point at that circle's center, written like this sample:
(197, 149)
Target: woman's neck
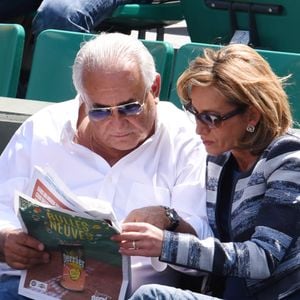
(245, 160)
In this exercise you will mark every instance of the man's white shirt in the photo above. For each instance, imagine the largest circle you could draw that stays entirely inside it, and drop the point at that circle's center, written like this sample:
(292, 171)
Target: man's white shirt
(167, 169)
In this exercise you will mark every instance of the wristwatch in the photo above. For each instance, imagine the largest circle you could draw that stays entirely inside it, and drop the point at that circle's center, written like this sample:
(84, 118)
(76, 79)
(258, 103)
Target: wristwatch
(173, 218)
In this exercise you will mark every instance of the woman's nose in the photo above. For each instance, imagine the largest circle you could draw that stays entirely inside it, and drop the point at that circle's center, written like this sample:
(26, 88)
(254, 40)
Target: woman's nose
(201, 128)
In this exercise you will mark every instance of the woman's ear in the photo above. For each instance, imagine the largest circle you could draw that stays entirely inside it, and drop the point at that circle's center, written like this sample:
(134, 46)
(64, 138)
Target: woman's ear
(253, 115)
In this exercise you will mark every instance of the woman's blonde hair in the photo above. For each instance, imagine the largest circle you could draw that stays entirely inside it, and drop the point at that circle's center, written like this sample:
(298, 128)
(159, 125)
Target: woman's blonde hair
(245, 79)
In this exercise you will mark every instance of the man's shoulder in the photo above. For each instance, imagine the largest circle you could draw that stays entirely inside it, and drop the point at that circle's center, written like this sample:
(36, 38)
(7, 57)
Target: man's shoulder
(63, 108)
(174, 117)
(175, 125)
(56, 114)
(50, 120)
(165, 106)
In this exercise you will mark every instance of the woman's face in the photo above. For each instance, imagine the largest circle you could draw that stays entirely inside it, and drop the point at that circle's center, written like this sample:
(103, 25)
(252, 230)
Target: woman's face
(225, 136)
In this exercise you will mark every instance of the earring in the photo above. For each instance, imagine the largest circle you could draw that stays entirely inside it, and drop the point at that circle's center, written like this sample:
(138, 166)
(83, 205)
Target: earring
(250, 128)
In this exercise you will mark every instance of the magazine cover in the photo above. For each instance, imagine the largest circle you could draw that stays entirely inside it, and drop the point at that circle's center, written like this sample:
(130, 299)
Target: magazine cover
(85, 263)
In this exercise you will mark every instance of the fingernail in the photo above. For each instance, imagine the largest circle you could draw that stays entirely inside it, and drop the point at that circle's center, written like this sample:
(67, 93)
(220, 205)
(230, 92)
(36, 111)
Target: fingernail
(41, 247)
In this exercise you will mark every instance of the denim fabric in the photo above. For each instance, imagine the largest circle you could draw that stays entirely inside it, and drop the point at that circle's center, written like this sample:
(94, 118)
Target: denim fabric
(74, 15)
(9, 288)
(161, 292)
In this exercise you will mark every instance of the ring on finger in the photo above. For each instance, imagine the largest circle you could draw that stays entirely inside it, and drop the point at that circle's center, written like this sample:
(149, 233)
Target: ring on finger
(134, 245)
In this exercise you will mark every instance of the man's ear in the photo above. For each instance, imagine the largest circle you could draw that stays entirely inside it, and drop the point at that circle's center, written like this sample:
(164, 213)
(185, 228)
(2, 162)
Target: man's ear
(82, 113)
(156, 86)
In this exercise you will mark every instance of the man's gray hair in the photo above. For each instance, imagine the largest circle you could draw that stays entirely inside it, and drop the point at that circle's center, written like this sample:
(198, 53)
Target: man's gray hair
(109, 52)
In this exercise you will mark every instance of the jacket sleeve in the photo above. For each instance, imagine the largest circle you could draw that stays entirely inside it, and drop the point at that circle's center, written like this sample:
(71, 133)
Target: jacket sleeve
(276, 226)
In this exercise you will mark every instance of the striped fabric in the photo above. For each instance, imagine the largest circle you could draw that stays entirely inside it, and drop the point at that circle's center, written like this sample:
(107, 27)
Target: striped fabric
(265, 220)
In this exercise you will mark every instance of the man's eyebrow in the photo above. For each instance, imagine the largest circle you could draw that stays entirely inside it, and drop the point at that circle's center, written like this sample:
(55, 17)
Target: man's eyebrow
(98, 105)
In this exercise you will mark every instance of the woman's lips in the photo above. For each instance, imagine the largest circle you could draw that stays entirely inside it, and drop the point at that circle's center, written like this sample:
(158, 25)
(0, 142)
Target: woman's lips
(207, 142)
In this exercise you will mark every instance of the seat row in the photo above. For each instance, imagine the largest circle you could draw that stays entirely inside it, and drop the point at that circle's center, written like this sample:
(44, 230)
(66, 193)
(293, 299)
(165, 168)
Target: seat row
(265, 24)
(51, 72)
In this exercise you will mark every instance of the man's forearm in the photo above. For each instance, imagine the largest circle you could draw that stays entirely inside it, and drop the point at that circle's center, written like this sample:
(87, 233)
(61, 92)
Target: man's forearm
(3, 236)
(185, 227)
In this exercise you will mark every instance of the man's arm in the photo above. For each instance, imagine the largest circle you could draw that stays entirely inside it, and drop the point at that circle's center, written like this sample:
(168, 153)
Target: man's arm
(156, 215)
(2, 239)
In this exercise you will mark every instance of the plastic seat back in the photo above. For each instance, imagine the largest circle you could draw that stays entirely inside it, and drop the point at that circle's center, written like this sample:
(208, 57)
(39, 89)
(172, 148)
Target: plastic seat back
(144, 16)
(55, 51)
(184, 55)
(274, 23)
(282, 63)
(11, 53)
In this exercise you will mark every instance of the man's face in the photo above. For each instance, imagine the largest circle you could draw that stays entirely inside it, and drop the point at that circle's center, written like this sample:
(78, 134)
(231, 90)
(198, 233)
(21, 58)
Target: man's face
(117, 131)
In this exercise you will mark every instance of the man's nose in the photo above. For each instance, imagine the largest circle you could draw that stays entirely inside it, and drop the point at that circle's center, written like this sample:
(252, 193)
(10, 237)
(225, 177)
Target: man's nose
(116, 116)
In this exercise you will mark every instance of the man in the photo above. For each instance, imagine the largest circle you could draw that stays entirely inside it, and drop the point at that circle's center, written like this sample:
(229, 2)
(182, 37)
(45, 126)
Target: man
(79, 15)
(115, 142)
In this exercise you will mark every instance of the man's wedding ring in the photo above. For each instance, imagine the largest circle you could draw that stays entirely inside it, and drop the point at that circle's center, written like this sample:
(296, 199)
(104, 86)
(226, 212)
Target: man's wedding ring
(134, 245)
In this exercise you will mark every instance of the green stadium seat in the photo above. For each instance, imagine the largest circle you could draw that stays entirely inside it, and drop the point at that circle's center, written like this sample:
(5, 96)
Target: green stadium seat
(143, 17)
(11, 52)
(184, 55)
(274, 23)
(283, 64)
(51, 72)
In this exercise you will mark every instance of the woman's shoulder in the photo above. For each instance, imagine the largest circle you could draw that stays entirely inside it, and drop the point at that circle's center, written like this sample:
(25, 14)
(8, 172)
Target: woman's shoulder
(284, 144)
(219, 159)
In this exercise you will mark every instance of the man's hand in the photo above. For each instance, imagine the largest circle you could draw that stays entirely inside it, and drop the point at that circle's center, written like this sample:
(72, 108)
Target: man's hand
(154, 215)
(22, 251)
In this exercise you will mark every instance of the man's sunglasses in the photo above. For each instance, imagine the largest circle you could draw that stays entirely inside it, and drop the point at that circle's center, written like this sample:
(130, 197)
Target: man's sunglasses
(129, 109)
(133, 108)
(212, 120)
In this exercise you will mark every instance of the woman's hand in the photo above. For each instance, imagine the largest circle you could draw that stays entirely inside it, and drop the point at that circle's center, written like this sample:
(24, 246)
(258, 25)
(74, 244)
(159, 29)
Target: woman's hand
(140, 239)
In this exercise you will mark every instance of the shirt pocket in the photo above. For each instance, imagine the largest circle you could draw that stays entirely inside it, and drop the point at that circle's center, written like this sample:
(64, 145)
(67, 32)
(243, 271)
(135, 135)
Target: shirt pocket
(142, 195)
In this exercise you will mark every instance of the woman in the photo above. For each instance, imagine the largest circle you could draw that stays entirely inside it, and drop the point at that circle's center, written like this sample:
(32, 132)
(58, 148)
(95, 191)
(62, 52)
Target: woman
(253, 183)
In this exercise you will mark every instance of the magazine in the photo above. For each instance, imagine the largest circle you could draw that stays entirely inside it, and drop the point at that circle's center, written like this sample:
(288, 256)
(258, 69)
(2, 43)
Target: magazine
(46, 187)
(85, 263)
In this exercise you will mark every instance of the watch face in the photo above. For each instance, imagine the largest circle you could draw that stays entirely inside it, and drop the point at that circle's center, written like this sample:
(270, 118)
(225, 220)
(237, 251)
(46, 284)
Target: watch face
(173, 217)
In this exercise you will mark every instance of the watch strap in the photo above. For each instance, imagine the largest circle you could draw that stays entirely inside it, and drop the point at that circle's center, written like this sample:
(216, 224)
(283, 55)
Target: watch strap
(173, 218)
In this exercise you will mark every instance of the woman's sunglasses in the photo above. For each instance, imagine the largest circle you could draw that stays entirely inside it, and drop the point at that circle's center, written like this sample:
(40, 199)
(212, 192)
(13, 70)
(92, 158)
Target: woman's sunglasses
(212, 120)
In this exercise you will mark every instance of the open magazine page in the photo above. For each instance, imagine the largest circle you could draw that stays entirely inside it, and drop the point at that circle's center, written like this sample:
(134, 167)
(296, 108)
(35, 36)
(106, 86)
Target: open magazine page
(85, 263)
(46, 187)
